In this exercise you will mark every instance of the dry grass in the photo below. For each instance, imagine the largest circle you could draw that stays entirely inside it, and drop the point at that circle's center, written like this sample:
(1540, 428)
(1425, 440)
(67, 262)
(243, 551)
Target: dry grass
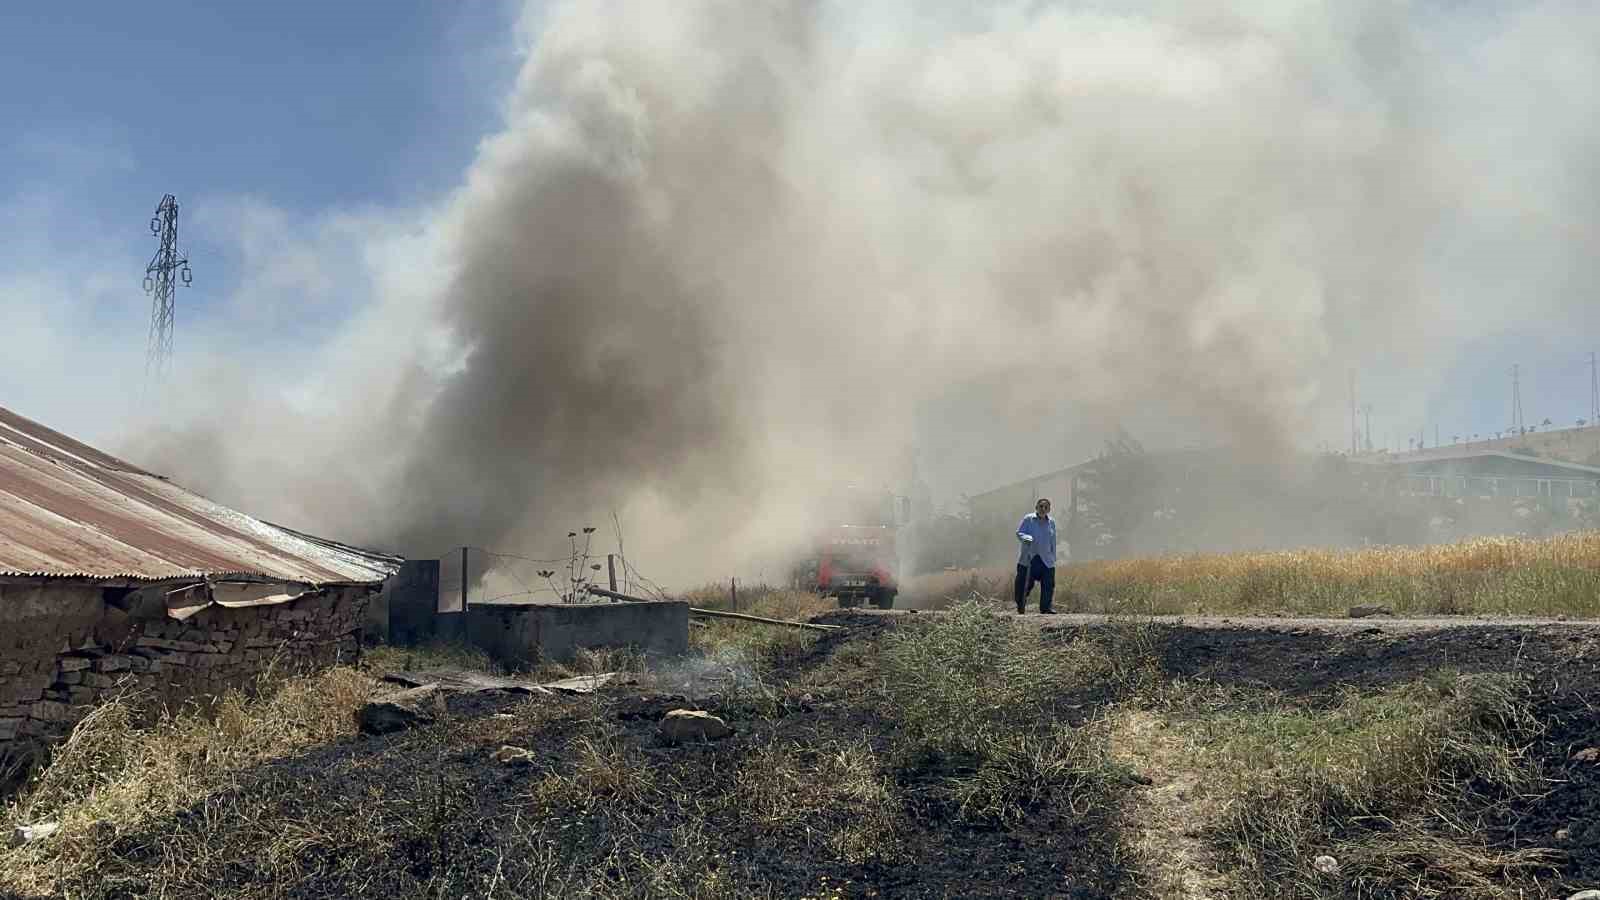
(1492, 576)
(762, 646)
(432, 655)
(933, 736)
(449, 655)
(970, 690)
(1393, 785)
(837, 790)
(113, 775)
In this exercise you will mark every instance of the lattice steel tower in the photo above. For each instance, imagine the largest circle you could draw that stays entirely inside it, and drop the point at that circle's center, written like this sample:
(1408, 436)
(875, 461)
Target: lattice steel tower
(159, 284)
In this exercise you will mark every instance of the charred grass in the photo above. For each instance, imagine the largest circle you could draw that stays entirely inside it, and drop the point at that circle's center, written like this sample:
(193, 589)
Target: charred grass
(948, 755)
(1400, 788)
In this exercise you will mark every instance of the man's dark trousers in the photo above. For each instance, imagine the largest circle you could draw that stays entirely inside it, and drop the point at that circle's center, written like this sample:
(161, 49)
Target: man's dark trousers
(1036, 570)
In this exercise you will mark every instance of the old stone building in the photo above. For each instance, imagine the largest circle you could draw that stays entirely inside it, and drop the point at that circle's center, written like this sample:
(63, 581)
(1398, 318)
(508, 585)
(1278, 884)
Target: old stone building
(114, 579)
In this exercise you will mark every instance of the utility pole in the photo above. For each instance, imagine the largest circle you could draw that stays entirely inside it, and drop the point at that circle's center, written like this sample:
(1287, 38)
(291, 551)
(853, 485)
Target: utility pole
(1594, 392)
(158, 283)
(1354, 431)
(1516, 400)
(1366, 410)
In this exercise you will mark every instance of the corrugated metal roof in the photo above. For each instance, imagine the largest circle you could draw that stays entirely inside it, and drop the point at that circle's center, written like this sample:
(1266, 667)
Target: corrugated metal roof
(1454, 453)
(69, 510)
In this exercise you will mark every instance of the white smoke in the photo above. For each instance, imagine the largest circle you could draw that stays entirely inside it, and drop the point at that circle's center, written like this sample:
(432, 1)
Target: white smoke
(723, 250)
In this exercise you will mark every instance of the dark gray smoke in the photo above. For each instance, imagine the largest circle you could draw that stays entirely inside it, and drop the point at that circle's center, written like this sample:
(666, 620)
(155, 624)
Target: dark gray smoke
(723, 251)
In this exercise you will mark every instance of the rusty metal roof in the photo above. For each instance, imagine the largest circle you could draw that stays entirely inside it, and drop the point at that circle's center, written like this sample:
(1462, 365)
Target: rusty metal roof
(68, 510)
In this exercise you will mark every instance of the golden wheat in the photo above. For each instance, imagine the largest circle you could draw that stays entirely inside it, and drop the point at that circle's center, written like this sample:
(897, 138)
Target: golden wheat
(1502, 576)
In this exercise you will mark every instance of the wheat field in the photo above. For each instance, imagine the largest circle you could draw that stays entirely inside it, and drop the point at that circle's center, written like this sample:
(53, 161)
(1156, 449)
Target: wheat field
(1505, 576)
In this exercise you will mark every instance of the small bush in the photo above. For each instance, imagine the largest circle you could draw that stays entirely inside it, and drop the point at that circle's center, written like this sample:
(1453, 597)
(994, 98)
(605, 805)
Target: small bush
(973, 690)
(957, 682)
(1067, 769)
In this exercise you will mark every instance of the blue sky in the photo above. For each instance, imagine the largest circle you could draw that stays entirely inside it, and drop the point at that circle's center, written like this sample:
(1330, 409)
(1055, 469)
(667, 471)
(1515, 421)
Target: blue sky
(300, 107)
(275, 124)
(313, 104)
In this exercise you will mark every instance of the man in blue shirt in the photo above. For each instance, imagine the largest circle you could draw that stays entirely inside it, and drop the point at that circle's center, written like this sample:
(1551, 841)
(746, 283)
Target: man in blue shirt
(1038, 560)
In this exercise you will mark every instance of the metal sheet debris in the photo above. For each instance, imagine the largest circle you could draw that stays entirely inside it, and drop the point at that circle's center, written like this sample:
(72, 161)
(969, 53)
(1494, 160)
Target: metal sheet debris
(186, 601)
(464, 681)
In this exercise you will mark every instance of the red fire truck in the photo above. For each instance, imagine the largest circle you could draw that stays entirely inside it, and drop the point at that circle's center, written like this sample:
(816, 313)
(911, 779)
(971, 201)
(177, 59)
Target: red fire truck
(855, 555)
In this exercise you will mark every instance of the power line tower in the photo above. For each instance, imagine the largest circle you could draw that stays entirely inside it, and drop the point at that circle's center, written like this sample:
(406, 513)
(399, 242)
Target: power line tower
(1517, 425)
(159, 283)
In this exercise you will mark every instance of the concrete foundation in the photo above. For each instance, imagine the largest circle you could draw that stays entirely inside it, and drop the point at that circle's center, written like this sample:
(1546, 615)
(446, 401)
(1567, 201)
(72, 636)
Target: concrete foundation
(521, 634)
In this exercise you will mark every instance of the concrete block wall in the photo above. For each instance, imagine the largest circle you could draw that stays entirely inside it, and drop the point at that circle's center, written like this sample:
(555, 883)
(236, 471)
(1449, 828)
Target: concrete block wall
(527, 633)
(66, 646)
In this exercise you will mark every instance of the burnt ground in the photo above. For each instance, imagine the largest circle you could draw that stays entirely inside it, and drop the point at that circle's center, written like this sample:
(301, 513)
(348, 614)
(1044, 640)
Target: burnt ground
(1314, 663)
(430, 813)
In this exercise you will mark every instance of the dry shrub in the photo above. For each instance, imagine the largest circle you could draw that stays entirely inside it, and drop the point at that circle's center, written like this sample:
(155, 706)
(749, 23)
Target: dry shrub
(1066, 769)
(591, 661)
(1392, 785)
(956, 680)
(973, 692)
(602, 771)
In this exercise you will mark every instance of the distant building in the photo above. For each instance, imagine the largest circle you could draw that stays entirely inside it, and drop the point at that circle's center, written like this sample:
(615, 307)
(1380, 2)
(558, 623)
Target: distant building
(1006, 505)
(1579, 445)
(1217, 500)
(1487, 474)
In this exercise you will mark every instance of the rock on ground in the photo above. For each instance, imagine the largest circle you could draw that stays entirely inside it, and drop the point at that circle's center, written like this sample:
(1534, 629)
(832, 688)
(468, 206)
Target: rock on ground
(681, 725)
(397, 712)
(23, 834)
(513, 756)
(1362, 612)
(1327, 865)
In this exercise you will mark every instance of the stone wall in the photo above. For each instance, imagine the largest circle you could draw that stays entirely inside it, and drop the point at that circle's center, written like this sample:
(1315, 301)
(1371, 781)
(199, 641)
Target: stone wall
(64, 646)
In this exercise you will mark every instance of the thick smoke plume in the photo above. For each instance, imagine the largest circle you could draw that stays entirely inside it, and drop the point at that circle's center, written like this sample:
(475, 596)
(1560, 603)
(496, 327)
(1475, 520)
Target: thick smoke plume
(722, 251)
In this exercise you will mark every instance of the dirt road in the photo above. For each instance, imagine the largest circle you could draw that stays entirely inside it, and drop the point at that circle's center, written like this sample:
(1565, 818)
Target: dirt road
(1279, 623)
